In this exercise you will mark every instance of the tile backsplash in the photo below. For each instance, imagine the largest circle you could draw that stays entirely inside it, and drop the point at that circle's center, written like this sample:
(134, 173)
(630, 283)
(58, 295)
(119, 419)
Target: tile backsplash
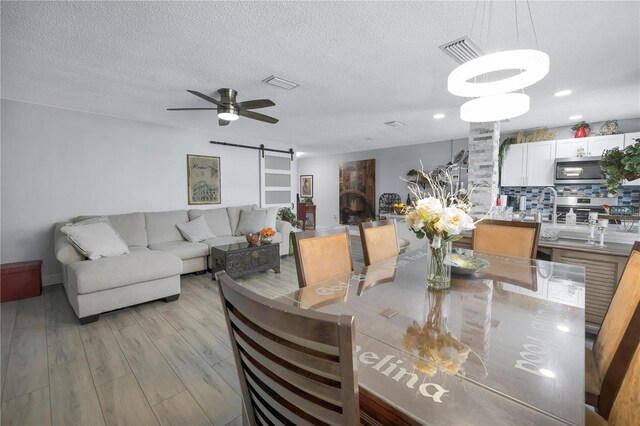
(630, 194)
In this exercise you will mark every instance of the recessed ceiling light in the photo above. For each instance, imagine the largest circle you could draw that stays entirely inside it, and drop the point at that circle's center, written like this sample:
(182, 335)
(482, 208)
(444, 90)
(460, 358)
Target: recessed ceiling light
(560, 93)
(563, 328)
(575, 117)
(394, 123)
(300, 154)
(280, 82)
(438, 116)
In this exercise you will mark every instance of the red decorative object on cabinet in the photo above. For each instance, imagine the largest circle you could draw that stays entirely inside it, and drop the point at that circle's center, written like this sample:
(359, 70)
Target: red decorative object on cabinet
(20, 280)
(582, 132)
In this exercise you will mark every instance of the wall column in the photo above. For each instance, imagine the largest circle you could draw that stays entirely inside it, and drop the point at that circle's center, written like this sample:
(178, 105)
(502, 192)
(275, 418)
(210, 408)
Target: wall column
(484, 141)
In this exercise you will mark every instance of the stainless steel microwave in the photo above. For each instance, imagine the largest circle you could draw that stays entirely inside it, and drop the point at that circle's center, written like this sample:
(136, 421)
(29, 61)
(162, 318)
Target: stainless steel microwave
(578, 170)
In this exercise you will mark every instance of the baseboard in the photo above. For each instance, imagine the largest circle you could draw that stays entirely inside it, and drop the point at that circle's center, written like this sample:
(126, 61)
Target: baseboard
(52, 279)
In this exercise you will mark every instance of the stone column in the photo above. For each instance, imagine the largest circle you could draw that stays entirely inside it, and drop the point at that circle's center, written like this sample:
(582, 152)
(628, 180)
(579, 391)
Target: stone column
(484, 141)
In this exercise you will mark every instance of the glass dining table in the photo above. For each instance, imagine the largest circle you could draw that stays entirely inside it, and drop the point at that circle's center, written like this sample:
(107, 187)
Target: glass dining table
(504, 345)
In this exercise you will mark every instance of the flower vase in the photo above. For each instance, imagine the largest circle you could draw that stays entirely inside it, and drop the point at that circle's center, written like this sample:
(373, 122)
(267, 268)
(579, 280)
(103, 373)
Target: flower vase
(265, 239)
(439, 274)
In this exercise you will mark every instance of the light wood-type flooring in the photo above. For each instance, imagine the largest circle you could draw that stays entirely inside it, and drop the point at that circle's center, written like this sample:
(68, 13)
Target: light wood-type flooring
(155, 363)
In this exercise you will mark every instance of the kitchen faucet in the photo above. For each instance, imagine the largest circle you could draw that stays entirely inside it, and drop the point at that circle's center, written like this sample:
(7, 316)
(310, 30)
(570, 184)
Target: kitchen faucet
(555, 198)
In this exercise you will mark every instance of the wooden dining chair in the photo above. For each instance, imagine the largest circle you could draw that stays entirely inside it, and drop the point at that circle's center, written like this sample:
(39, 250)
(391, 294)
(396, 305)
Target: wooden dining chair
(506, 238)
(295, 366)
(322, 254)
(379, 240)
(624, 409)
(607, 363)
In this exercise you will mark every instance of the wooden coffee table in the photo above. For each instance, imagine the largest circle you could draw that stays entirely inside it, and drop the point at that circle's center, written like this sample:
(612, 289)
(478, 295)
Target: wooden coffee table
(240, 259)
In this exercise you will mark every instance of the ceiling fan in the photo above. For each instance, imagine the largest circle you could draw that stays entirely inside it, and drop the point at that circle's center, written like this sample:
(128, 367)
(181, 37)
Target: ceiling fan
(230, 110)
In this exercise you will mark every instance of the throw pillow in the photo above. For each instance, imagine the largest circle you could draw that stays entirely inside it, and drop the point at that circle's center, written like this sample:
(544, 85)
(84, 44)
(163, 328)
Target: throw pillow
(95, 240)
(195, 230)
(272, 216)
(251, 221)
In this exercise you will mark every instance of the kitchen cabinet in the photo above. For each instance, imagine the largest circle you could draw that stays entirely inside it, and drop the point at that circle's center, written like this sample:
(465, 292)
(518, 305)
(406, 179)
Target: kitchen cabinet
(597, 144)
(593, 146)
(602, 273)
(628, 141)
(529, 164)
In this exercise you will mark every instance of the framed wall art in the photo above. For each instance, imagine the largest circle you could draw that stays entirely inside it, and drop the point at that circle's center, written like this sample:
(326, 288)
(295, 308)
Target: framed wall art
(306, 186)
(203, 179)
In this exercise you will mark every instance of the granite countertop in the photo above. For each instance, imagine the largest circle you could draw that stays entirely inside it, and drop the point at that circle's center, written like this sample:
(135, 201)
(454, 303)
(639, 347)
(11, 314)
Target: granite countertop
(616, 249)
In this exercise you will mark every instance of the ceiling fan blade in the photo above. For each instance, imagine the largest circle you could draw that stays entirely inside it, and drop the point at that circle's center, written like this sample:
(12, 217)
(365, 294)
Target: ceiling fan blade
(257, 116)
(256, 103)
(205, 97)
(222, 122)
(190, 109)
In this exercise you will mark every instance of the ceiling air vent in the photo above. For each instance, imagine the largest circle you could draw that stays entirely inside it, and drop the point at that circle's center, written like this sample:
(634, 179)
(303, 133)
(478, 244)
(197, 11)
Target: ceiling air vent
(462, 50)
(394, 123)
(280, 82)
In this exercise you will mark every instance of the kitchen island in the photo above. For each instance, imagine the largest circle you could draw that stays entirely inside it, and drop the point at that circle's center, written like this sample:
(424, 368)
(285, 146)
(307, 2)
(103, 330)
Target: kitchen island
(603, 265)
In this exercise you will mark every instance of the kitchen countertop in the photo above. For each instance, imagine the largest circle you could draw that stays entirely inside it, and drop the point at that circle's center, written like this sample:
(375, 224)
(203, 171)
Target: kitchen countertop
(615, 249)
(620, 247)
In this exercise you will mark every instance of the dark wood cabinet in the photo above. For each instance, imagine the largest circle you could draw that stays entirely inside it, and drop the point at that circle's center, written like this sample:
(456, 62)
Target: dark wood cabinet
(307, 214)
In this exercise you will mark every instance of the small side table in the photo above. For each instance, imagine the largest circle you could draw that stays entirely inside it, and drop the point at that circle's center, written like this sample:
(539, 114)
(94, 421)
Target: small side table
(20, 280)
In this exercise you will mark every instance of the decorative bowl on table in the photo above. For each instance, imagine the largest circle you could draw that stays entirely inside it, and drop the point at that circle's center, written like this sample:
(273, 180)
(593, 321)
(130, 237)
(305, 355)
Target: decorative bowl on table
(462, 264)
(399, 208)
(252, 238)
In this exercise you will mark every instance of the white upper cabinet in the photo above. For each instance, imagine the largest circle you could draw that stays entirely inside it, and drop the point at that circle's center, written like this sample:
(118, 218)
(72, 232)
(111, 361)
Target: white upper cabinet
(514, 165)
(566, 148)
(540, 163)
(529, 164)
(593, 146)
(597, 144)
(628, 141)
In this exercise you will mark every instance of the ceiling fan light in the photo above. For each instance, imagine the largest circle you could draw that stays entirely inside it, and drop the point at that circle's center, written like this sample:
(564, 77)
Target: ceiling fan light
(494, 108)
(533, 64)
(228, 116)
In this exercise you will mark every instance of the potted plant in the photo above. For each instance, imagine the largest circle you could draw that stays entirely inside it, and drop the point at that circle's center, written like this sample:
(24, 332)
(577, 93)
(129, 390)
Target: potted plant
(287, 215)
(619, 164)
(308, 200)
(502, 153)
(582, 129)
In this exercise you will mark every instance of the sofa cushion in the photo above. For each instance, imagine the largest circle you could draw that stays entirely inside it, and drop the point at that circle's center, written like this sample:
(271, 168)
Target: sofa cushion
(95, 240)
(217, 220)
(183, 249)
(234, 215)
(135, 267)
(195, 230)
(251, 221)
(130, 226)
(161, 226)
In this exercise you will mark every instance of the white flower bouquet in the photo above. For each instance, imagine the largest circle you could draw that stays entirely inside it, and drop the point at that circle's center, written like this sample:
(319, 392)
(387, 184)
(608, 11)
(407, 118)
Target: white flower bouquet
(441, 217)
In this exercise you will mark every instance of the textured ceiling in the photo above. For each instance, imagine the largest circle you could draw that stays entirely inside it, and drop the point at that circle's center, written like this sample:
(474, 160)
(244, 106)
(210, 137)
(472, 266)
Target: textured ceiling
(359, 64)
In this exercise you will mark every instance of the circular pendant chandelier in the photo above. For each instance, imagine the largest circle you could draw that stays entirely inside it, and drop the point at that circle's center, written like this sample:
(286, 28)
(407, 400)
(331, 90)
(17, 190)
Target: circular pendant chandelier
(494, 107)
(532, 64)
(494, 100)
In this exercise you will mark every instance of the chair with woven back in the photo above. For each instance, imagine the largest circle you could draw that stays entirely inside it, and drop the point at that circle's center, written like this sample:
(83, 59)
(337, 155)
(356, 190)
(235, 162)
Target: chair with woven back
(296, 367)
(379, 241)
(322, 254)
(607, 363)
(506, 238)
(625, 403)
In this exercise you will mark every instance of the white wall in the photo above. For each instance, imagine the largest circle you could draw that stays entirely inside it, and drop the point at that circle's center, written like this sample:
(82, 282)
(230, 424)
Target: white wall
(391, 164)
(58, 164)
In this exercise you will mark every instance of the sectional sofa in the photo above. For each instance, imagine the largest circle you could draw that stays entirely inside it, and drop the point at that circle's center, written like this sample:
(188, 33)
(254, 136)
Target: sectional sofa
(158, 256)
